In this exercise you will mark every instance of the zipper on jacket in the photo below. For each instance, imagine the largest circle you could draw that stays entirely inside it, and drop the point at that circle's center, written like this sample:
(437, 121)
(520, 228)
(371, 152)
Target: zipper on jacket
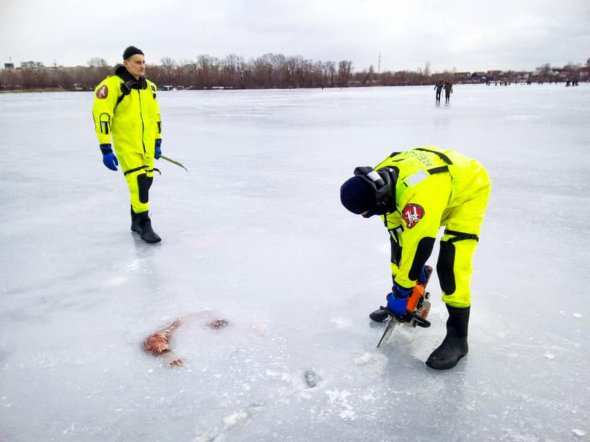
(141, 117)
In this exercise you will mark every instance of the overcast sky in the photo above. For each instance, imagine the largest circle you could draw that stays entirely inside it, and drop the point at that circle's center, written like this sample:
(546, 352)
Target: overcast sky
(451, 34)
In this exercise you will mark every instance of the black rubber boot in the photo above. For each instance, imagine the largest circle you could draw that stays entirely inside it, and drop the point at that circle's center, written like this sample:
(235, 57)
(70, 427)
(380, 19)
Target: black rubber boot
(454, 346)
(379, 315)
(141, 223)
(134, 223)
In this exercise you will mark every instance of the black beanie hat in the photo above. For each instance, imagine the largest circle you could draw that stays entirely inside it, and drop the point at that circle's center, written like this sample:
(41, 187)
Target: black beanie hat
(357, 195)
(131, 51)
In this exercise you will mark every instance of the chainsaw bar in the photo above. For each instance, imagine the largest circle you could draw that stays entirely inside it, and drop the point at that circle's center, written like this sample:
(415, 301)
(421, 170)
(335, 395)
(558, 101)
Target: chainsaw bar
(415, 318)
(388, 331)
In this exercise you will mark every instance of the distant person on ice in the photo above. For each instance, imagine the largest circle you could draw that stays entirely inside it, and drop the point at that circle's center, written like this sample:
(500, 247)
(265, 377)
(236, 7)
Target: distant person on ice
(125, 108)
(416, 192)
(448, 91)
(438, 87)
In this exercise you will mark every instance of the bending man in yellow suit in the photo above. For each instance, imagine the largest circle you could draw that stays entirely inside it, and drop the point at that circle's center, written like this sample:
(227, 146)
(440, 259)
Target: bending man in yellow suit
(125, 109)
(416, 192)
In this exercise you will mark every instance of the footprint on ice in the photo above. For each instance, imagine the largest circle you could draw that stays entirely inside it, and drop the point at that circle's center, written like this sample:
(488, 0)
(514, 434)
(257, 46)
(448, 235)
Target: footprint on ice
(311, 378)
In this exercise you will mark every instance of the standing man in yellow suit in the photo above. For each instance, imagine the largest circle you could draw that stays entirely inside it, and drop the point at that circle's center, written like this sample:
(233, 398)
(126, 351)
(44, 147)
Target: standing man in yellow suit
(125, 108)
(416, 192)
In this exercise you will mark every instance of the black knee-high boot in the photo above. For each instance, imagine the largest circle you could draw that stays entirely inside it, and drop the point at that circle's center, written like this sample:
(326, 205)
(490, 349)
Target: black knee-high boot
(454, 346)
(134, 223)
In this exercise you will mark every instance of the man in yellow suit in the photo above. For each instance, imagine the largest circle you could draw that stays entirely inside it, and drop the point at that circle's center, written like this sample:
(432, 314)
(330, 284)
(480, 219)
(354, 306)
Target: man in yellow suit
(125, 109)
(416, 192)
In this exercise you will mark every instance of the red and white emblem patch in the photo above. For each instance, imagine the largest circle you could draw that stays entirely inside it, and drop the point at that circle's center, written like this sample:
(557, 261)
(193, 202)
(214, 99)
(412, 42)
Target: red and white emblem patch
(103, 92)
(412, 214)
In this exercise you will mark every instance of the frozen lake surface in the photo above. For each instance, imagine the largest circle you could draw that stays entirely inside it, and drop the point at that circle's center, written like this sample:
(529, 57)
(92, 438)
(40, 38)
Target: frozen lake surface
(256, 233)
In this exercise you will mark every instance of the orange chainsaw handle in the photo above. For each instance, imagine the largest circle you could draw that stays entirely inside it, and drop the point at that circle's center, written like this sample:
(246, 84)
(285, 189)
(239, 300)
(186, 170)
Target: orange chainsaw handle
(418, 293)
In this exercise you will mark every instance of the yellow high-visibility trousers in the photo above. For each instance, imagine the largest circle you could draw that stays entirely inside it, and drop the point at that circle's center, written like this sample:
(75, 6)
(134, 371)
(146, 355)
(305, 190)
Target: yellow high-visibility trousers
(139, 174)
(458, 244)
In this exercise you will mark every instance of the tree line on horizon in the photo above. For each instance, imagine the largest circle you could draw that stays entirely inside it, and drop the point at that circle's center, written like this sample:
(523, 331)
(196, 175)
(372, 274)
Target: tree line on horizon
(269, 71)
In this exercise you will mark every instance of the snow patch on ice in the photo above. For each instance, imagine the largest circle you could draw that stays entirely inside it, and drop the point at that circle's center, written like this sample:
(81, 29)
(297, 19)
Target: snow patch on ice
(340, 322)
(549, 355)
(234, 419)
(340, 399)
(579, 433)
(116, 280)
(371, 359)
(365, 359)
(371, 364)
(279, 375)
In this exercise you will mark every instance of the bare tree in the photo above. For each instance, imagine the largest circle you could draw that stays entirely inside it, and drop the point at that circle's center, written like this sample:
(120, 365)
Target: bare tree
(96, 62)
(168, 63)
(267, 71)
(344, 72)
(330, 73)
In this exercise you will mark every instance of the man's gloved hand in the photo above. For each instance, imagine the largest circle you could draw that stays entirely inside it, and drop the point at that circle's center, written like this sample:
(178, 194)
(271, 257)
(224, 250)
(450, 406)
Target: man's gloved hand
(158, 152)
(424, 275)
(108, 157)
(397, 300)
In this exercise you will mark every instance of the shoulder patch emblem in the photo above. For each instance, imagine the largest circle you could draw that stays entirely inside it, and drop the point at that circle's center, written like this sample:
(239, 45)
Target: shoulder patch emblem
(412, 214)
(103, 92)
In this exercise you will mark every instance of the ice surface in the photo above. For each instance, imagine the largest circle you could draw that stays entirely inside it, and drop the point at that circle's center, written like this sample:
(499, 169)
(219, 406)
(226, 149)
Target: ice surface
(256, 233)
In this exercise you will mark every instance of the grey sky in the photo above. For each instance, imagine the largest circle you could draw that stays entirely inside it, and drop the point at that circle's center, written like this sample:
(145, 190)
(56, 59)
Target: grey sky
(454, 34)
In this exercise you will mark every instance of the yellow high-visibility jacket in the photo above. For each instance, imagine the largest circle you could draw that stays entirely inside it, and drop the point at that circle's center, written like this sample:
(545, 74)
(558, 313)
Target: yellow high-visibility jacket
(431, 184)
(128, 112)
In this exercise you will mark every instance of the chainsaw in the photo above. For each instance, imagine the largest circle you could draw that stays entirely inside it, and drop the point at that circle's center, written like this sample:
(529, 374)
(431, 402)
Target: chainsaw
(418, 308)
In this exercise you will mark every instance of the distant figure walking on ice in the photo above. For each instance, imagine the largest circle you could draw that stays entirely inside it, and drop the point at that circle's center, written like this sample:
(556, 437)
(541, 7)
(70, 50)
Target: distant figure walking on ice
(438, 87)
(448, 91)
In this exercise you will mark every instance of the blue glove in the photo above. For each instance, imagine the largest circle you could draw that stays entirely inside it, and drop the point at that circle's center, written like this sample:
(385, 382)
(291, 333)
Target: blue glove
(424, 275)
(397, 301)
(158, 153)
(108, 157)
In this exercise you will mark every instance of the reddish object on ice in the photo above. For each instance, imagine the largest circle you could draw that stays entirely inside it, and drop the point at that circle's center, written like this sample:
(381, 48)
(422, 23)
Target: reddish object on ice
(156, 343)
